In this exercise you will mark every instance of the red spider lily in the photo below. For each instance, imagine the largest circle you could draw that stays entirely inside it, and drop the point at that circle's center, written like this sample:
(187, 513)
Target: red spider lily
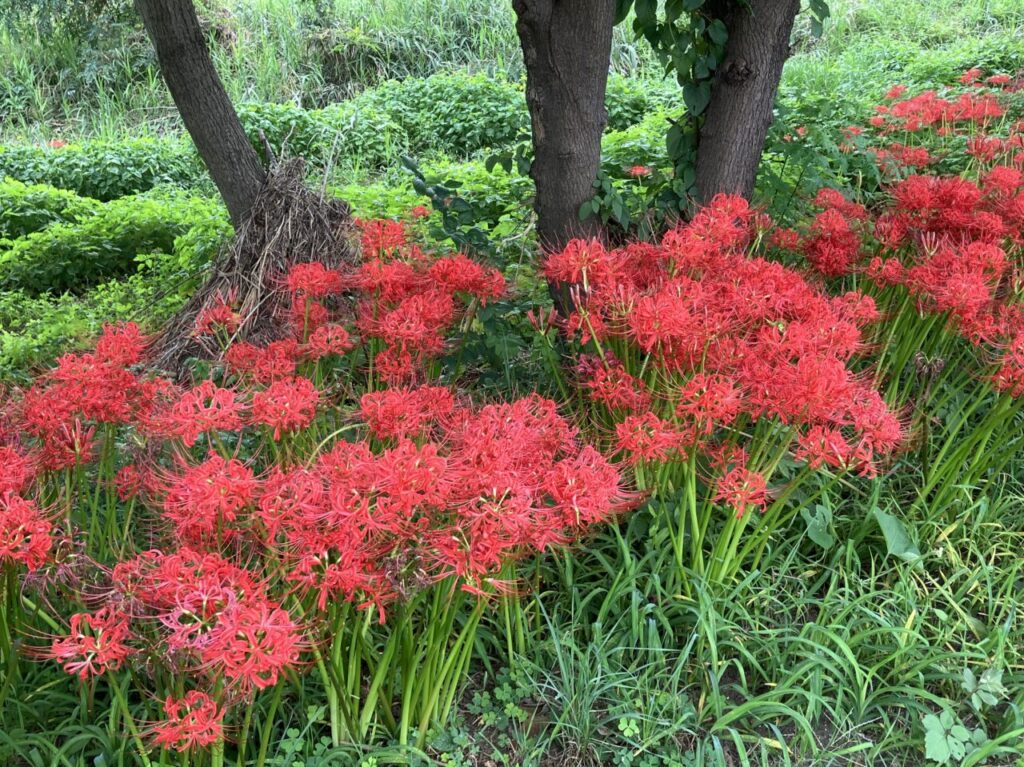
(313, 279)
(610, 384)
(122, 344)
(287, 405)
(404, 412)
(389, 281)
(638, 171)
(204, 500)
(327, 339)
(833, 246)
(157, 581)
(203, 409)
(192, 721)
(895, 92)
(586, 488)
(128, 482)
(266, 364)
(96, 643)
(381, 237)
(746, 337)
(647, 438)
(24, 532)
(433, 492)
(416, 323)
(581, 261)
(459, 274)
(929, 110)
(307, 314)
(16, 471)
(410, 478)
(1009, 376)
(709, 401)
(971, 75)
(742, 489)
(254, 643)
(340, 563)
(292, 499)
(193, 622)
(220, 314)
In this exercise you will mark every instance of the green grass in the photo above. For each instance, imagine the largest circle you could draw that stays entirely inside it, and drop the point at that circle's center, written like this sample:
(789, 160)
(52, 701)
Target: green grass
(871, 45)
(58, 81)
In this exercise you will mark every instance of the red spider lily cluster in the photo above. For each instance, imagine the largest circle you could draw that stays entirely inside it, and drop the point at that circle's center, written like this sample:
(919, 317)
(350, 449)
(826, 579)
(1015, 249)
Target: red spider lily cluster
(724, 340)
(263, 500)
(953, 243)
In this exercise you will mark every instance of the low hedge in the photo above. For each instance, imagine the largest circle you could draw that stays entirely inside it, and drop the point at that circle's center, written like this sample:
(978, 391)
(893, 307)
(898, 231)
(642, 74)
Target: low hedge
(104, 170)
(77, 255)
(27, 208)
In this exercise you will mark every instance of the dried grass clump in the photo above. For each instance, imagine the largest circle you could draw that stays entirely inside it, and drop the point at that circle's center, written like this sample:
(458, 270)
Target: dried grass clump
(289, 224)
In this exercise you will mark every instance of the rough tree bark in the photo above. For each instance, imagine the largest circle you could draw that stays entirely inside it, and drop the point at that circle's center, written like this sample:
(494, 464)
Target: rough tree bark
(567, 51)
(203, 103)
(743, 95)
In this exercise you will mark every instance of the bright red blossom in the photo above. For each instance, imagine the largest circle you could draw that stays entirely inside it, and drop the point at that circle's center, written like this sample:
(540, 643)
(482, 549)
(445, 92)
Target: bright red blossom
(96, 643)
(24, 532)
(287, 405)
(192, 721)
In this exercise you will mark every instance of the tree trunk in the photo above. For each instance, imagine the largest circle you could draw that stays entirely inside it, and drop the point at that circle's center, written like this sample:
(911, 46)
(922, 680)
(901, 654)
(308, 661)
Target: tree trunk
(203, 103)
(567, 51)
(743, 96)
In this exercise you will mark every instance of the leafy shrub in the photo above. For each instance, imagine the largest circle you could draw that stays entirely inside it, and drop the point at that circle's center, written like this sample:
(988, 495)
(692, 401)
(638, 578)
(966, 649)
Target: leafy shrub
(26, 208)
(36, 329)
(74, 256)
(347, 131)
(639, 144)
(104, 170)
(283, 125)
(360, 136)
(629, 100)
(456, 114)
(453, 113)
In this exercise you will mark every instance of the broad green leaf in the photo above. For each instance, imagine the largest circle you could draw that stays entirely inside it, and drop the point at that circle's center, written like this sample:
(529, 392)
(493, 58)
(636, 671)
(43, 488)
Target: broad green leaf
(696, 97)
(935, 746)
(717, 32)
(818, 525)
(622, 8)
(897, 540)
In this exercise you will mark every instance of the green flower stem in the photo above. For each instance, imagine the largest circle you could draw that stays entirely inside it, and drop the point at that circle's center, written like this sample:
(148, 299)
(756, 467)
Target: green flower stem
(268, 726)
(129, 721)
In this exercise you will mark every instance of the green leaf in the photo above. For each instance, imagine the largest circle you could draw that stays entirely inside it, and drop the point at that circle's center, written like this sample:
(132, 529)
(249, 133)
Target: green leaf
(818, 525)
(935, 747)
(960, 732)
(646, 14)
(673, 10)
(622, 8)
(718, 32)
(897, 540)
(696, 97)
(956, 747)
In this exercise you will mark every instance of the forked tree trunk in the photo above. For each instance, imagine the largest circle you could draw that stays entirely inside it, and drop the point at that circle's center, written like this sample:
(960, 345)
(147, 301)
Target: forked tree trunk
(567, 51)
(203, 103)
(743, 96)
